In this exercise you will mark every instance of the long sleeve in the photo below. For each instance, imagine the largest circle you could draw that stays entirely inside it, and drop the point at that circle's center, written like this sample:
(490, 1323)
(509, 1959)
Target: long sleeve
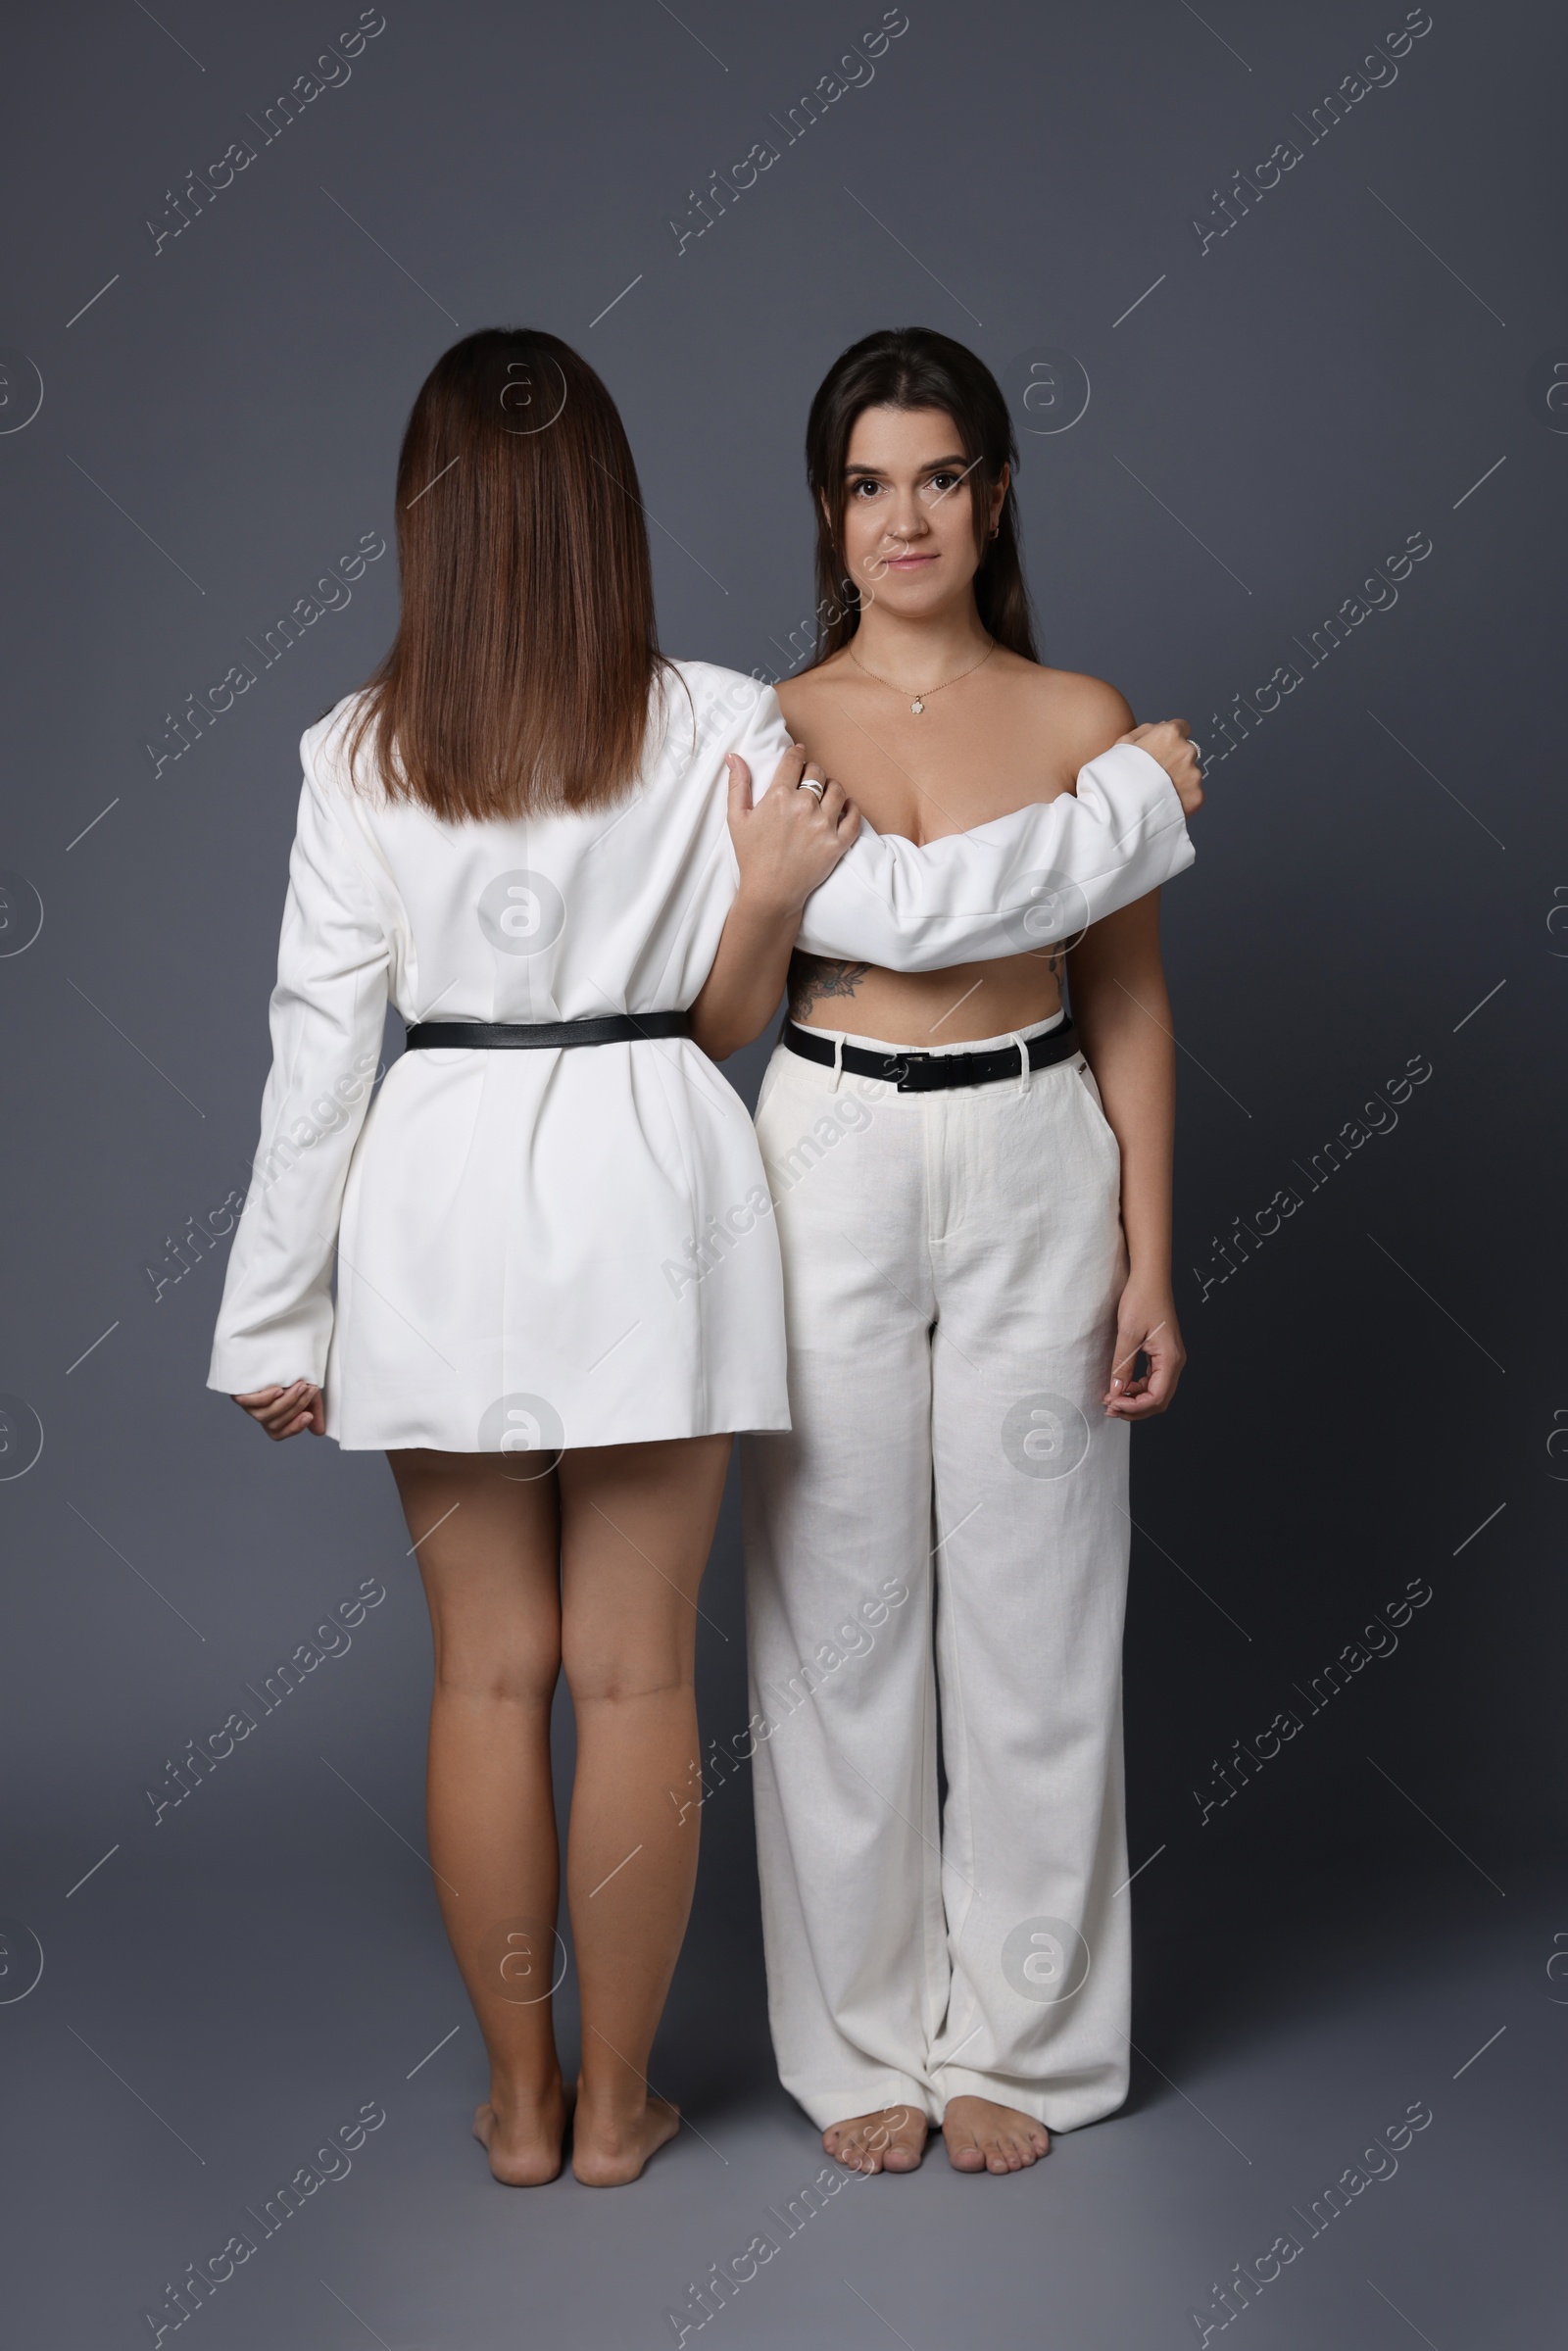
(1045, 872)
(328, 1014)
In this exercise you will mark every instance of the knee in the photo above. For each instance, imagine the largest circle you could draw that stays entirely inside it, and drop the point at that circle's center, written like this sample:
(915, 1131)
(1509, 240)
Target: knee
(608, 1668)
(515, 1672)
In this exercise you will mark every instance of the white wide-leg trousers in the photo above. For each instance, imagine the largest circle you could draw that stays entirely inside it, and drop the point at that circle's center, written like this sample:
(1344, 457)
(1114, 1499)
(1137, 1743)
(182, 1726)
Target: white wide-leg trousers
(942, 1539)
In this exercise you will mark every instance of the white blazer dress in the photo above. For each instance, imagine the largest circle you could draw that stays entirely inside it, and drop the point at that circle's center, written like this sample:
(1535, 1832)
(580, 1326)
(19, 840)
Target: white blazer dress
(541, 1249)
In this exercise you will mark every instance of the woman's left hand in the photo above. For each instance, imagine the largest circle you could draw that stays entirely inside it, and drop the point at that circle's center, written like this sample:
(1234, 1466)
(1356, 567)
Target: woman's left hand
(287, 1411)
(1146, 1321)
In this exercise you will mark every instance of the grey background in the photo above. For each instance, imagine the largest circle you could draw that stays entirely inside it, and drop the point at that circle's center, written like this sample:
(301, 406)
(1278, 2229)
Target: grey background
(1372, 1395)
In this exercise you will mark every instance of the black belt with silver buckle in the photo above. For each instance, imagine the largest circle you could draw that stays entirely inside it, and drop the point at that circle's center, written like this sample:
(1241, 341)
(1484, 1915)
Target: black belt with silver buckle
(503, 1036)
(914, 1072)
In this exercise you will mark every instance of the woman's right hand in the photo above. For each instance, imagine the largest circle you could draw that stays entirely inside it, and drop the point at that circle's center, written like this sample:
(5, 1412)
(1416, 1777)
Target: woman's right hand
(1169, 741)
(286, 1411)
(790, 840)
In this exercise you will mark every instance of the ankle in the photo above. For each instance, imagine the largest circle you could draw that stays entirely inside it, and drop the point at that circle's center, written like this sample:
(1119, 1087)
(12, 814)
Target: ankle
(517, 2092)
(611, 2103)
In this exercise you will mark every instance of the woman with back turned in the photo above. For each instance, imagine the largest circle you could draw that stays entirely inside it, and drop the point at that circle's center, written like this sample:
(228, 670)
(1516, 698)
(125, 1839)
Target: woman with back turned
(516, 834)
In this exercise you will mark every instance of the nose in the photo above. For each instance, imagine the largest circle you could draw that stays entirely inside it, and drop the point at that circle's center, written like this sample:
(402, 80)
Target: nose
(909, 520)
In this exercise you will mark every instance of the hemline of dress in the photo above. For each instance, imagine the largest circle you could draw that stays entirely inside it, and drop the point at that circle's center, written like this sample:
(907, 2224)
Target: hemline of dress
(723, 1426)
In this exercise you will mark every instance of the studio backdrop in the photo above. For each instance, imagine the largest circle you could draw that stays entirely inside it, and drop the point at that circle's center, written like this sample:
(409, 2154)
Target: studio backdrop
(1276, 298)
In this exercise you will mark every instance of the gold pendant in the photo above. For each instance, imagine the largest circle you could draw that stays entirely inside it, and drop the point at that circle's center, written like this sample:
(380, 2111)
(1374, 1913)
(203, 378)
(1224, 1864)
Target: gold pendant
(916, 707)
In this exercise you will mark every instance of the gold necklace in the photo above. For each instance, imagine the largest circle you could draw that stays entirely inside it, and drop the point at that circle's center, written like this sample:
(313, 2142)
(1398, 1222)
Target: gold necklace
(918, 706)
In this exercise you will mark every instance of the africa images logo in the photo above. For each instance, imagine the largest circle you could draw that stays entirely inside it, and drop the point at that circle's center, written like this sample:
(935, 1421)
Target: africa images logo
(521, 914)
(1045, 1435)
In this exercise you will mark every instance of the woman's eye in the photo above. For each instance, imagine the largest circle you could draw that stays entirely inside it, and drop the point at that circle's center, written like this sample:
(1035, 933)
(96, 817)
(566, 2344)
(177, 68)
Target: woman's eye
(862, 486)
(943, 481)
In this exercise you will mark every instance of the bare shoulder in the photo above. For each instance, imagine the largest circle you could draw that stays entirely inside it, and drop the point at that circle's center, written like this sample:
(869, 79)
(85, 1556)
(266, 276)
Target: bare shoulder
(802, 698)
(1084, 714)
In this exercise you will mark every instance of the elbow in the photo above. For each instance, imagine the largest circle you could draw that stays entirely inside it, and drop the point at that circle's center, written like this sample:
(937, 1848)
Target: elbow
(716, 1038)
(720, 1037)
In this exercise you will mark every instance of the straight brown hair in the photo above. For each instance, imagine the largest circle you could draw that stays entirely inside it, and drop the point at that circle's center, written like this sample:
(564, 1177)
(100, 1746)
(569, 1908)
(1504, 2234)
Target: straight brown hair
(914, 368)
(520, 676)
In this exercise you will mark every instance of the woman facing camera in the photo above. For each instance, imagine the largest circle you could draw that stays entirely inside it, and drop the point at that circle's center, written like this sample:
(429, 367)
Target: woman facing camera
(972, 1195)
(516, 835)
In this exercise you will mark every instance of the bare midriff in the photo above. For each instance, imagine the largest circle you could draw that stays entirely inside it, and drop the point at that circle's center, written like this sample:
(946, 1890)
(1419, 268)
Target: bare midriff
(928, 1009)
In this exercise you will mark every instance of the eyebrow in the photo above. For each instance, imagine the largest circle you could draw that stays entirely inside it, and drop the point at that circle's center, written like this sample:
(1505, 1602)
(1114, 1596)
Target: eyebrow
(939, 464)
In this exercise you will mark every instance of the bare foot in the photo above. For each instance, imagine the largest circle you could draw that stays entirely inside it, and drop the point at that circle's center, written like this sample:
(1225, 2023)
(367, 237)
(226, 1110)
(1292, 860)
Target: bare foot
(608, 2149)
(983, 2136)
(893, 2139)
(522, 2137)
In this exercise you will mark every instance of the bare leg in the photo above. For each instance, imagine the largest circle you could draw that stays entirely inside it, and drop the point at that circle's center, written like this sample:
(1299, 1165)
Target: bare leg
(893, 2139)
(488, 1542)
(637, 1523)
(983, 2136)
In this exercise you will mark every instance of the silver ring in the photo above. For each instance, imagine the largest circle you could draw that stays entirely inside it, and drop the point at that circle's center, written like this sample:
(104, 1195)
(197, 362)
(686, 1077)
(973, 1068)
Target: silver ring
(1196, 749)
(815, 789)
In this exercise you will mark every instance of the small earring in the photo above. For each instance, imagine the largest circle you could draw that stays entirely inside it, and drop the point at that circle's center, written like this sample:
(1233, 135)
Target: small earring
(995, 528)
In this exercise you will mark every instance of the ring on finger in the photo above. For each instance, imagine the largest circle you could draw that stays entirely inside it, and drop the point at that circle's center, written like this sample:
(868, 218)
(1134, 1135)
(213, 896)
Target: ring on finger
(815, 789)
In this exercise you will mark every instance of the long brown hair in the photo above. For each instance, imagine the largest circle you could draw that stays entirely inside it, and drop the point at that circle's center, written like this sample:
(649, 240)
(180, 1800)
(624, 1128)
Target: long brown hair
(520, 675)
(914, 368)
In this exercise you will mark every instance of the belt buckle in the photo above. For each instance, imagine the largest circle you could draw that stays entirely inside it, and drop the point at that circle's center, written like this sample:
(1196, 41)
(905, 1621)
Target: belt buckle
(896, 1072)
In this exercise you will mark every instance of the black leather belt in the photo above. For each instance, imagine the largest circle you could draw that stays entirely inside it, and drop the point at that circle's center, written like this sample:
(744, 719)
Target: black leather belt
(503, 1036)
(914, 1072)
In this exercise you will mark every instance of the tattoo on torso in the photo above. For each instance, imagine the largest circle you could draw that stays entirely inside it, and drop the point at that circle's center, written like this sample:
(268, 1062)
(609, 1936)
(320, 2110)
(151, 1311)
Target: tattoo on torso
(812, 977)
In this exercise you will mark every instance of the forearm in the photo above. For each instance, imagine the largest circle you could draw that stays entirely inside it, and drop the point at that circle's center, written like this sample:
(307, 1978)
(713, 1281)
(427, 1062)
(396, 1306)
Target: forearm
(1122, 1011)
(1137, 1077)
(741, 993)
